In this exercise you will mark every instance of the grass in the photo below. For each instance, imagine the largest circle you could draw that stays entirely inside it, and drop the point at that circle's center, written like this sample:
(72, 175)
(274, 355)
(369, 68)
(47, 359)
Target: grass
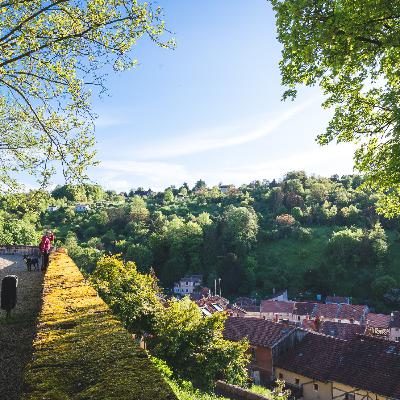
(262, 390)
(188, 393)
(82, 352)
(291, 257)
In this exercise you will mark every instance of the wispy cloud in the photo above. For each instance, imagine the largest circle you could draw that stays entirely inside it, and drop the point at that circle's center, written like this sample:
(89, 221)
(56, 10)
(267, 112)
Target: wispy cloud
(217, 138)
(107, 121)
(122, 175)
(125, 174)
(324, 161)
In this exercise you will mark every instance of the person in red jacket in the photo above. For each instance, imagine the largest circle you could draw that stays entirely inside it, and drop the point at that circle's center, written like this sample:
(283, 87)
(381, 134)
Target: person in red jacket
(45, 247)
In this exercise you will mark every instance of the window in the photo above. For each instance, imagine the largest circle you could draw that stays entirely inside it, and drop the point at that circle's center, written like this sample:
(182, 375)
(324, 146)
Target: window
(297, 381)
(187, 283)
(280, 376)
(316, 387)
(349, 396)
(187, 290)
(298, 318)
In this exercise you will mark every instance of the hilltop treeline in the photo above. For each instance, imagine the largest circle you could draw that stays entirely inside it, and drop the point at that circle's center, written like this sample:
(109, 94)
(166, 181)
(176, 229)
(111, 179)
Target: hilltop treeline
(309, 234)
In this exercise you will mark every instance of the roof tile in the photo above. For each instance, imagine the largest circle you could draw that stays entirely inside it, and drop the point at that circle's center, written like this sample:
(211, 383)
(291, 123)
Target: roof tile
(259, 332)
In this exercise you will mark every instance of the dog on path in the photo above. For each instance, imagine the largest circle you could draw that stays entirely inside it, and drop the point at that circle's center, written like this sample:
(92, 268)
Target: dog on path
(32, 261)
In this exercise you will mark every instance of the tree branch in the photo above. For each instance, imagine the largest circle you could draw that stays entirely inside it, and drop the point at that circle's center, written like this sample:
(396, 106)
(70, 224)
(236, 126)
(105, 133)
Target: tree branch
(31, 17)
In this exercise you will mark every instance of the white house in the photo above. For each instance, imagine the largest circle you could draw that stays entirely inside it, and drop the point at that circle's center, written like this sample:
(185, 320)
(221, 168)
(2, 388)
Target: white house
(187, 284)
(52, 208)
(225, 188)
(82, 207)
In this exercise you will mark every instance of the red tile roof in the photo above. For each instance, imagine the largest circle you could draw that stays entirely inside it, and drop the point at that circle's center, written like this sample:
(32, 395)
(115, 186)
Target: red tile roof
(271, 306)
(314, 357)
(326, 310)
(364, 362)
(304, 308)
(355, 312)
(378, 320)
(259, 332)
(341, 330)
(251, 308)
(371, 364)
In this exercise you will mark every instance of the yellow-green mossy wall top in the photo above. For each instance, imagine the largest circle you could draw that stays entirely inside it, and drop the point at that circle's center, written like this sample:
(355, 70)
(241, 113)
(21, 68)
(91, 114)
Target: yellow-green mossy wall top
(81, 350)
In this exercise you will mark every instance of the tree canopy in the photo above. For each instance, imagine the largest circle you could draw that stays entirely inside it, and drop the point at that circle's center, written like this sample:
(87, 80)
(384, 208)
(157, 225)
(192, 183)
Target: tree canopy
(54, 54)
(350, 48)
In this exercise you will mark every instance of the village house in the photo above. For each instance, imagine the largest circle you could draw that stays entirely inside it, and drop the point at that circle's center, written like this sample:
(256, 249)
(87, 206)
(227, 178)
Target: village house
(334, 312)
(324, 368)
(52, 208)
(188, 284)
(212, 304)
(307, 366)
(226, 188)
(302, 311)
(267, 339)
(277, 310)
(377, 325)
(394, 326)
(250, 305)
(82, 207)
(235, 311)
(326, 312)
(340, 330)
(368, 368)
(352, 314)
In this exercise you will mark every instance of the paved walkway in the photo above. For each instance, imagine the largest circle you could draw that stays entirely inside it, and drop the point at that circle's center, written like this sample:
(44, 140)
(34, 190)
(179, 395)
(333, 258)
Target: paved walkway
(16, 334)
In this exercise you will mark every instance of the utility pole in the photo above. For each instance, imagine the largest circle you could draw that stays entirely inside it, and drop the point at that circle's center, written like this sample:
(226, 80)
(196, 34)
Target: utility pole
(219, 283)
(215, 287)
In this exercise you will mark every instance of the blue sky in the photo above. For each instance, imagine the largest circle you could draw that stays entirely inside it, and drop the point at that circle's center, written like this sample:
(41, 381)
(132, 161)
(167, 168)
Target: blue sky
(210, 109)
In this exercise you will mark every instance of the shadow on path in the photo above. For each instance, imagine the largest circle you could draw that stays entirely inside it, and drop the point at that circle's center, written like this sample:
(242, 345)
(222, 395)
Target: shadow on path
(17, 333)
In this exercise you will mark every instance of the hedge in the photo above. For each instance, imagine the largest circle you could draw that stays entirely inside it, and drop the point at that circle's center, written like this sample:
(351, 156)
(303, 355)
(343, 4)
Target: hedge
(81, 350)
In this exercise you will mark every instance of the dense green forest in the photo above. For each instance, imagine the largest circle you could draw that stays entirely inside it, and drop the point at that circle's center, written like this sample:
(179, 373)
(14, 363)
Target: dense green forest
(309, 234)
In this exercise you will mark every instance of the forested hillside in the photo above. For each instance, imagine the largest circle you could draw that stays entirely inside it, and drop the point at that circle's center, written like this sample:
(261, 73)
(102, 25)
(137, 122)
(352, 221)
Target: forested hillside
(311, 235)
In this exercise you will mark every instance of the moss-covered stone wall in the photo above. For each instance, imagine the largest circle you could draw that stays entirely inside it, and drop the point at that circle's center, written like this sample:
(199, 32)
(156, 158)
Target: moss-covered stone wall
(81, 350)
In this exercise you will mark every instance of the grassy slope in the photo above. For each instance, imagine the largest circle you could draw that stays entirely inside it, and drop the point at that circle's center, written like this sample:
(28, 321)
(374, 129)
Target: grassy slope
(293, 257)
(394, 256)
(82, 351)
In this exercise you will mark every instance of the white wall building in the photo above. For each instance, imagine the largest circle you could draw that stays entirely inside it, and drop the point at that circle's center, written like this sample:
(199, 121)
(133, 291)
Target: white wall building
(187, 284)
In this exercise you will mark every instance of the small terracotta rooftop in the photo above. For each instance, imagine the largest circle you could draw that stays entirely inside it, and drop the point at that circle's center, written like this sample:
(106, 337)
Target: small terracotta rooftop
(341, 330)
(378, 320)
(272, 306)
(259, 332)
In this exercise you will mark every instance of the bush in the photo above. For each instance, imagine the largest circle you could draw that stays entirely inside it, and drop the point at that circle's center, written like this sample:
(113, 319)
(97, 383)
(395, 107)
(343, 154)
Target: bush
(303, 234)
